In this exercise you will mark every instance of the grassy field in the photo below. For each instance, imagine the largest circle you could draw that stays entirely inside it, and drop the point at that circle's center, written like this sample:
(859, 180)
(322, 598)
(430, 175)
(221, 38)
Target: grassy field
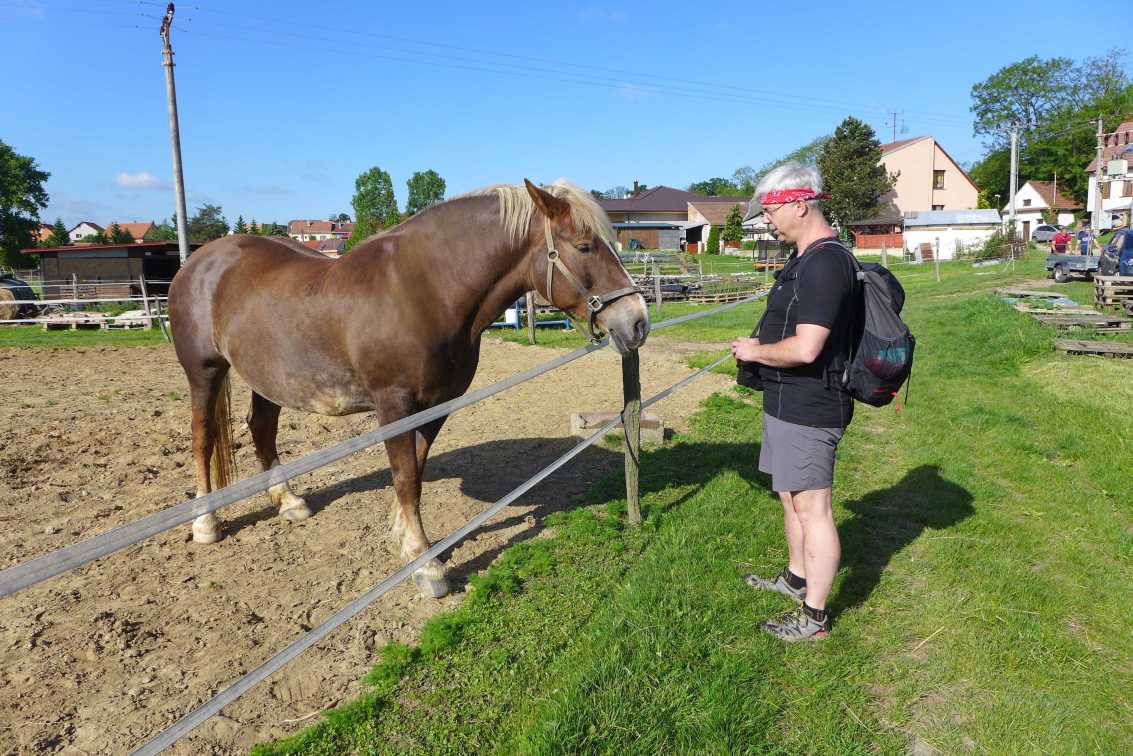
(35, 336)
(987, 533)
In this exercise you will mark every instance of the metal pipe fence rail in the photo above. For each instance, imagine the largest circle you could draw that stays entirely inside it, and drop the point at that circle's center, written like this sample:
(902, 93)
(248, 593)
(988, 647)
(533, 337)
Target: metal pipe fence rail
(62, 560)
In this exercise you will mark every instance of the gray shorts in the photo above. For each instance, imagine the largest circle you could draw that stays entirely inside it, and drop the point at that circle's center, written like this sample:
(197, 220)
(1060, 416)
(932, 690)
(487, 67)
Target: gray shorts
(798, 457)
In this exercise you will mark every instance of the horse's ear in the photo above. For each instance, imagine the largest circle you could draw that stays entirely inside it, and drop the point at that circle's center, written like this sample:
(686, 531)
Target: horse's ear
(548, 204)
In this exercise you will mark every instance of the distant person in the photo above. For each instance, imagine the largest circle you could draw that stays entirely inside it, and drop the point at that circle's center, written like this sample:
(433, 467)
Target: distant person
(1061, 241)
(1084, 239)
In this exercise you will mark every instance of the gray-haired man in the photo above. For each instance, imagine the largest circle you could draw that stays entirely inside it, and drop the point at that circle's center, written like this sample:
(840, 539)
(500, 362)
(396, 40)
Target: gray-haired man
(802, 338)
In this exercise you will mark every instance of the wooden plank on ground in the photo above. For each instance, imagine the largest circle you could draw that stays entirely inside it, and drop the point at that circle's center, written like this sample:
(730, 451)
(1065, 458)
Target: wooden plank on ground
(1028, 293)
(1099, 348)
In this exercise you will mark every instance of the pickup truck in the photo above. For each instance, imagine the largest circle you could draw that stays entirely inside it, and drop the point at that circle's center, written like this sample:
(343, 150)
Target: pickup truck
(1062, 267)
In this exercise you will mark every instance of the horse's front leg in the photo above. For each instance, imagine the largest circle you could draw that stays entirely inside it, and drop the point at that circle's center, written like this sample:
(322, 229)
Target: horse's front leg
(407, 454)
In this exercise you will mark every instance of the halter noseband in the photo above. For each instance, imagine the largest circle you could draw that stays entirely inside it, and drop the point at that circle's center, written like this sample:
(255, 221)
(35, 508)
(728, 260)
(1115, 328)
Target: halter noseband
(595, 303)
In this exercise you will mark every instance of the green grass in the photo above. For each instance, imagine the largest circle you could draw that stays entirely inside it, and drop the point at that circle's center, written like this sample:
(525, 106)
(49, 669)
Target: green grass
(987, 533)
(35, 336)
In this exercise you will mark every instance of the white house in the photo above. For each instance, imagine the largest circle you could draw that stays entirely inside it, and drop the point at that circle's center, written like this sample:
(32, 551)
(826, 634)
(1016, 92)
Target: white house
(950, 231)
(1033, 199)
(84, 229)
(1117, 177)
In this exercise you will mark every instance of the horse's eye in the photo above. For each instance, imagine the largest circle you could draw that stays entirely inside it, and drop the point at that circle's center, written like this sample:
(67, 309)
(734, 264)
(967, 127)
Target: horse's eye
(584, 247)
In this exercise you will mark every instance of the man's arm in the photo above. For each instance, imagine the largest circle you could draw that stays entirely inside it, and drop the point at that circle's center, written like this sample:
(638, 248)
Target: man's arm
(801, 349)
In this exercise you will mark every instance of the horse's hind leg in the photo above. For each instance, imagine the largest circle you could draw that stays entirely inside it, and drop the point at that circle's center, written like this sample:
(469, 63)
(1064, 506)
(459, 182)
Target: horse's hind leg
(205, 385)
(263, 421)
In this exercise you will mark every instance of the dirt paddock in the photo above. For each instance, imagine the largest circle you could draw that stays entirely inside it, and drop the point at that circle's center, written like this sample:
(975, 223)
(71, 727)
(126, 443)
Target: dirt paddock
(102, 658)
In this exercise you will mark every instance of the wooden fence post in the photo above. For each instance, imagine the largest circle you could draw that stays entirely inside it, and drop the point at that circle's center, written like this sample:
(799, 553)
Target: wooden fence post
(145, 303)
(657, 287)
(531, 316)
(884, 255)
(631, 422)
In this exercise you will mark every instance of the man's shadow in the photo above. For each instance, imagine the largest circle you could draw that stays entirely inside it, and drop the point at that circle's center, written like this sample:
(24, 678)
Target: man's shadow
(886, 521)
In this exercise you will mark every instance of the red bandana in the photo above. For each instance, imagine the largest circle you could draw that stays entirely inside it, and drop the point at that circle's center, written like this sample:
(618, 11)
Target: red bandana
(783, 196)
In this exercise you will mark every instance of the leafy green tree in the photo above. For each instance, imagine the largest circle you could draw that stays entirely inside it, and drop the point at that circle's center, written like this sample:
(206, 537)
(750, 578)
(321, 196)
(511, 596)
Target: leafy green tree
(119, 235)
(340, 218)
(241, 227)
(426, 188)
(640, 188)
(851, 172)
(59, 236)
(734, 226)
(273, 229)
(1023, 94)
(22, 196)
(374, 201)
(713, 246)
(98, 237)
(254, 229)
(164, 230)
(715, 187)
(207, 223)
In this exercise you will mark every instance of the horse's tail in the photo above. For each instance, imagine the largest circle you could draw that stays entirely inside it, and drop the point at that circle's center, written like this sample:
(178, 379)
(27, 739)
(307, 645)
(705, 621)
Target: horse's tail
(223, 453)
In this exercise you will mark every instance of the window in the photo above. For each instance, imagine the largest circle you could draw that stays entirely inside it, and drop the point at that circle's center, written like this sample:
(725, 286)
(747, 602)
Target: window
(938, 207)
(1026, 203)
(938, 179)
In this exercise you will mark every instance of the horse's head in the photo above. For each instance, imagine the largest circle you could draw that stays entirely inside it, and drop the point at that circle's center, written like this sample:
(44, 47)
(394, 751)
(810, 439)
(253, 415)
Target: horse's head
(576, 266)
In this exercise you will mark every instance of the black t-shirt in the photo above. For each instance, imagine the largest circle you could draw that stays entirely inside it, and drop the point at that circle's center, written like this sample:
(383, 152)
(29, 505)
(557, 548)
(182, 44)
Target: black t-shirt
(823, 277)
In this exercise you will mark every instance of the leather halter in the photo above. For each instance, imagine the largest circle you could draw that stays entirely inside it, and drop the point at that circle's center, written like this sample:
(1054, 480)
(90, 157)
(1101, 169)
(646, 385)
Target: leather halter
(595, 303)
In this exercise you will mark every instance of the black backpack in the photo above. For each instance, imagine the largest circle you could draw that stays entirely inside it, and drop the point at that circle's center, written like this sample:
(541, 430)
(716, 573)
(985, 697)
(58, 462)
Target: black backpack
(881, 345)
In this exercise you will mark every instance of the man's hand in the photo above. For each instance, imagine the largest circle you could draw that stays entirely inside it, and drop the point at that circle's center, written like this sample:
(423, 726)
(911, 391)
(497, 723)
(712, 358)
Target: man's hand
(745, 349)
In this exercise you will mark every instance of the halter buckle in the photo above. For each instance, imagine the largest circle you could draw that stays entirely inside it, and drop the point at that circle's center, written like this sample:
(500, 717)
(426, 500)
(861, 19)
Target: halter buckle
(552, 254)
(594, 304)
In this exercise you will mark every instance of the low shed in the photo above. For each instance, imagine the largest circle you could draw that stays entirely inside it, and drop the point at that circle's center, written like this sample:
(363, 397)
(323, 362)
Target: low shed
(99, 263)
(956, 231)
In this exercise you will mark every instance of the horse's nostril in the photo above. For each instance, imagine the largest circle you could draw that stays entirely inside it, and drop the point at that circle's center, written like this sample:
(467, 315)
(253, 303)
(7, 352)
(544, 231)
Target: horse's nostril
(640, 328)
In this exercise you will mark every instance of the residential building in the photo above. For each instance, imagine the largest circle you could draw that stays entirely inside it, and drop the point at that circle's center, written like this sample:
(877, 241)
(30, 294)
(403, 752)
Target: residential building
(1036, 199)
(703, 216)
(1117, 178)
(318, 230)
(141, 231)
(83, 229)
(658, 218)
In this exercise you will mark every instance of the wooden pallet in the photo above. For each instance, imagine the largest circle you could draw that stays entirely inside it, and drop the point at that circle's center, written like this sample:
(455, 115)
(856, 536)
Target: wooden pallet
(1098, 348)
(1028, 293)
(74, 324)
(1097, 321)
(722, 297)
(1112, 291)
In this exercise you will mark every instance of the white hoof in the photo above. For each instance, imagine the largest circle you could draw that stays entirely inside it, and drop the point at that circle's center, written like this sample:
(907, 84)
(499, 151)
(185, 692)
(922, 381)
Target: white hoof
(431, 581)
(205, 533)
(298, 510)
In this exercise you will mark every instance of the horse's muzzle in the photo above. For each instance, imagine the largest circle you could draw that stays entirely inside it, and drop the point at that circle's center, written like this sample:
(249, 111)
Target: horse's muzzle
(626, 322)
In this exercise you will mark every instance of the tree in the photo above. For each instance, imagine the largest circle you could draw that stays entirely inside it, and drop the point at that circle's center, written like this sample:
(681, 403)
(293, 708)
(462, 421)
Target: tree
(1022, 94)
(426, 188)
(852, 173)
(98, 237)
(713, 247)
(241, 227)
(340, 218)
(734, 226)
(207, 223)
(253, 229)
(273, 229)
(119, 235)
(165, 230)
(59, 236)
(715, 187)
(640, 188)
(22, 196)
(374, 202)
(745, 178)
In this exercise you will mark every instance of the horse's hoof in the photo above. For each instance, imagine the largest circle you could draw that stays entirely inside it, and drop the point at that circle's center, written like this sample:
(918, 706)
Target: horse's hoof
(296, 512)
(431, 586)
(205, 535)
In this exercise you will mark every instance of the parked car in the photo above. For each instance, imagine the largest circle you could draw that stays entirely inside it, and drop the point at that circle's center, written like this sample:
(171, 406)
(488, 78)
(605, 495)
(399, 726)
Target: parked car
(1045, 232)
(1117, 256)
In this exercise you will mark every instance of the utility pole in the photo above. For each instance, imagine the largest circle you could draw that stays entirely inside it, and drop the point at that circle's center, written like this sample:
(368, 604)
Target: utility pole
(894, 126)
(174, 136)
(1014, 181)
(1096, 216)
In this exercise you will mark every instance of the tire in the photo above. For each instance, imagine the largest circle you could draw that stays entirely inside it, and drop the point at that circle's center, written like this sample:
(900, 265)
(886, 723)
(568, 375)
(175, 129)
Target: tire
(1061, 275)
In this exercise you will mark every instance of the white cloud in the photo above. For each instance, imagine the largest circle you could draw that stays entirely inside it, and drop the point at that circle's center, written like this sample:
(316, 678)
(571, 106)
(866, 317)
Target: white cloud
(139, 180)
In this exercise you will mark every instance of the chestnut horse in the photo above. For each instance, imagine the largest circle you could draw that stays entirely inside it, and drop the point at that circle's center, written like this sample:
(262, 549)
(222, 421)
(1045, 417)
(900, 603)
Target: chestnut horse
(393, 326)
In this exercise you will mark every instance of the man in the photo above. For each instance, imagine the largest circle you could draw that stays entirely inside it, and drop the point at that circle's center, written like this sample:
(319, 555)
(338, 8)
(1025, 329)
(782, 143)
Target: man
(800, 348)
(1061, 240)
(1084, 239)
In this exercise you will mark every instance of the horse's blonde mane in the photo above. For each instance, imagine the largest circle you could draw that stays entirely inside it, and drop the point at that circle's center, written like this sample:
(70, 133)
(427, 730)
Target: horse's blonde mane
(517, 208)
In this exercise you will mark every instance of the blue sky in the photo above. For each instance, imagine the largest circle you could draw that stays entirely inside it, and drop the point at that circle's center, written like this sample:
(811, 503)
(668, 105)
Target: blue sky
(284, 104)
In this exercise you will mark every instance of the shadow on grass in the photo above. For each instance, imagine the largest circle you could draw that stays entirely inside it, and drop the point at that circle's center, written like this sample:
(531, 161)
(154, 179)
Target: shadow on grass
(885, 522)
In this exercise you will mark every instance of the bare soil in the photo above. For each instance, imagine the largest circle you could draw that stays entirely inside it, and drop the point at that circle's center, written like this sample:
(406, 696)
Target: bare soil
(102, 658)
